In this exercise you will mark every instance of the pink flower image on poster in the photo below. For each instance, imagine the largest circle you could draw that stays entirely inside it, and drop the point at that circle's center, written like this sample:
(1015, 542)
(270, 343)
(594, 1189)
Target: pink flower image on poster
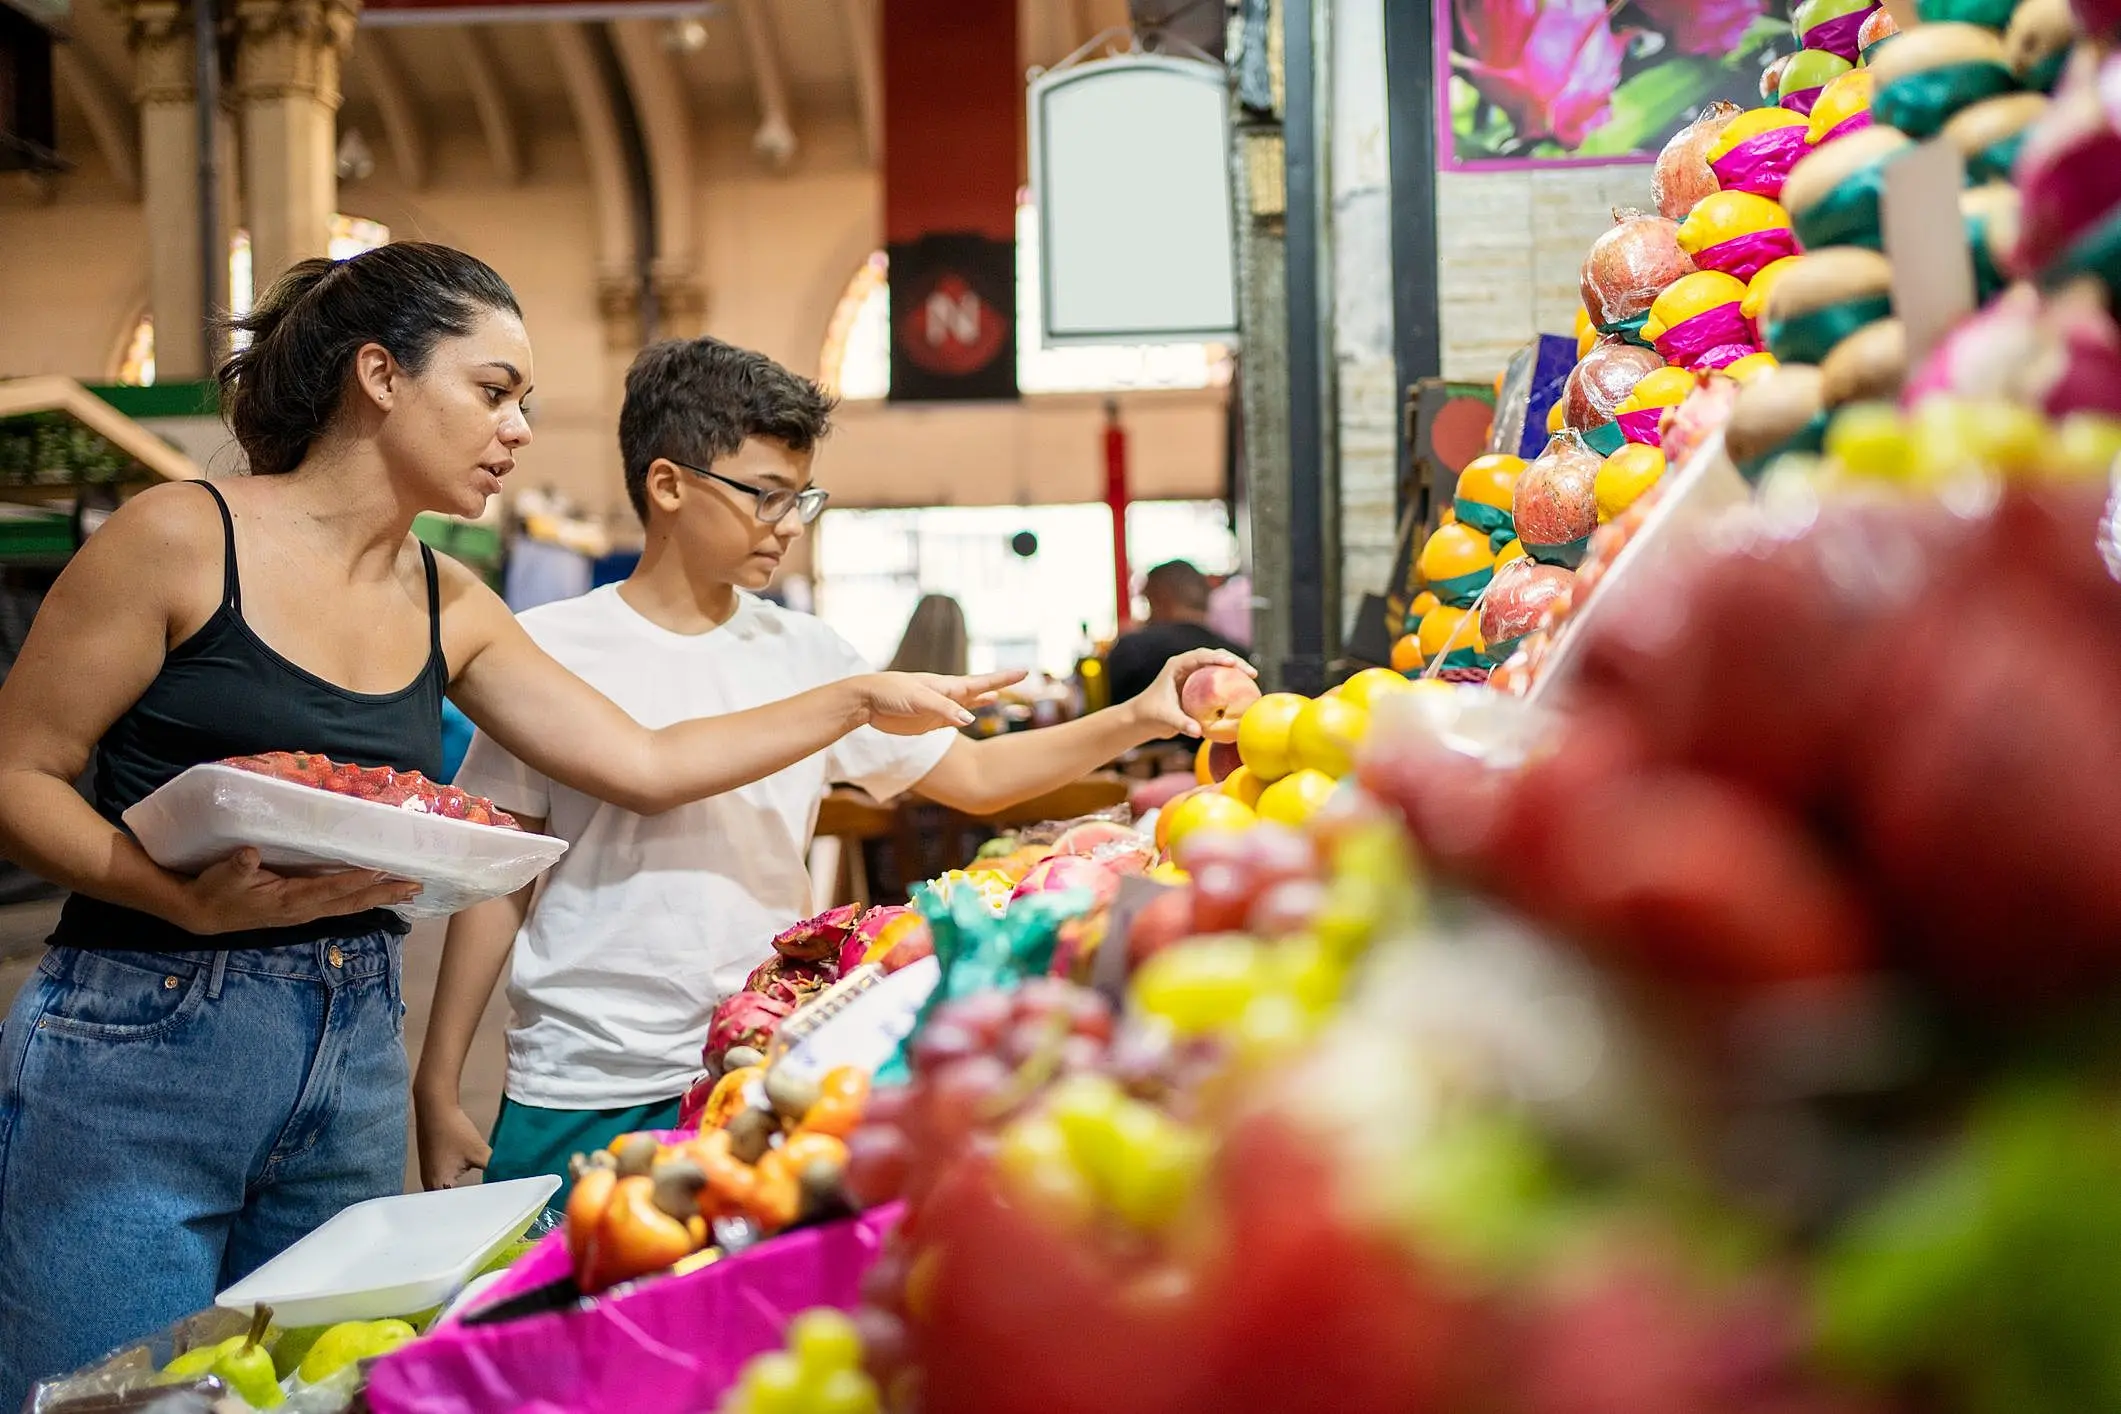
(1540, 83)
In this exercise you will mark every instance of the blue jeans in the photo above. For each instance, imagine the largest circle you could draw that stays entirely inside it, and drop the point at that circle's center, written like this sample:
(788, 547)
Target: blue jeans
(170, 1121)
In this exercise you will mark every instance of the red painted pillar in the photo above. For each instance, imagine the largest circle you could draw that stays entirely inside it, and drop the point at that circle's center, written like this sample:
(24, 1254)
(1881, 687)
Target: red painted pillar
(1116, 501)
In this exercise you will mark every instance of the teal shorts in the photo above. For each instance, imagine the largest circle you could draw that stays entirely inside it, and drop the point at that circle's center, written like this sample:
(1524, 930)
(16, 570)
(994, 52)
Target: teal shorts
(529, 1140)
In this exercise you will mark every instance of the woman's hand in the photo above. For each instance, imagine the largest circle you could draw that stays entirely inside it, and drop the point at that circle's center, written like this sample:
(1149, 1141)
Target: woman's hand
(912, 704)
(238, 894)
(1158, 707)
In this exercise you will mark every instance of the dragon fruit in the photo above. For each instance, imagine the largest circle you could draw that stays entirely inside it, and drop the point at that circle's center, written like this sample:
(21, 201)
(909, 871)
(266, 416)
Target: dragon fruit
(744, 1019)
(789, 981)
(820, 938)
(866, 933)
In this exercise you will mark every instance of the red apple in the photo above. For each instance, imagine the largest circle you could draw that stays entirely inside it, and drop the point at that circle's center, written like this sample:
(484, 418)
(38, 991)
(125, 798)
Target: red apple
(1216, 697)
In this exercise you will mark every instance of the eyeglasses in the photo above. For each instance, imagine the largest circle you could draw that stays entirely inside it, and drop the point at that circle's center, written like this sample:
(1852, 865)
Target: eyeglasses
(771, 504)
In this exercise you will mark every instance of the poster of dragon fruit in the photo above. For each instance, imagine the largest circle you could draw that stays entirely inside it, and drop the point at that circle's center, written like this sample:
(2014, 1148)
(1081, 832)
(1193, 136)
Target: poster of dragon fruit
(1533, 83)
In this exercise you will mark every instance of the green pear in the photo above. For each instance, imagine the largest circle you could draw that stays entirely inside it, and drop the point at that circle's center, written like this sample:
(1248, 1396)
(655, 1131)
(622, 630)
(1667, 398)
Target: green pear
(352, 1341)
(248, 1370)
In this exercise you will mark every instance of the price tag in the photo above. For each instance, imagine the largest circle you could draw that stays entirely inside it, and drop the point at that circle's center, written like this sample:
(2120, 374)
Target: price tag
(1933, 271)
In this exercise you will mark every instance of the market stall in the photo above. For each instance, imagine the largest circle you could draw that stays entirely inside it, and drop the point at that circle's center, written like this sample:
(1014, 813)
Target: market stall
(1678, 983)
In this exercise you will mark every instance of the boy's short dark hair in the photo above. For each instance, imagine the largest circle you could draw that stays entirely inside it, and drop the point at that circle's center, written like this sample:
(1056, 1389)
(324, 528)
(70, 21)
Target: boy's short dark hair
(699, 400)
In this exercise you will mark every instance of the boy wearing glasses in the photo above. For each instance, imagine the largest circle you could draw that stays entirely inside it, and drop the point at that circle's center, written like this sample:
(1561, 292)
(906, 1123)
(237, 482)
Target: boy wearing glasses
(647, 922)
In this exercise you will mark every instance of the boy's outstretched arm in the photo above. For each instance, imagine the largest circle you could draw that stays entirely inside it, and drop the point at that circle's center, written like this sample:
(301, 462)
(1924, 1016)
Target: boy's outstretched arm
(981, 777)
(480, 939)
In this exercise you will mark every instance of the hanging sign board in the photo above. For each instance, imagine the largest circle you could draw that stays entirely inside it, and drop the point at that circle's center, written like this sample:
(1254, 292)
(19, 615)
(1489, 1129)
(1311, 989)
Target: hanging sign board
(1131, 174)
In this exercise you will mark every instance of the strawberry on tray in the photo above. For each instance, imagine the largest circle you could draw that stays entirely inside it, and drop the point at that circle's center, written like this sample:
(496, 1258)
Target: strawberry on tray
(406, 790)
(305, 814)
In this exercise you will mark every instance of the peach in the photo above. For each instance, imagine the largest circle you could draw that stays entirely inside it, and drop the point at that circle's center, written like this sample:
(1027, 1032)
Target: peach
(1214, 762)
(1216, 697)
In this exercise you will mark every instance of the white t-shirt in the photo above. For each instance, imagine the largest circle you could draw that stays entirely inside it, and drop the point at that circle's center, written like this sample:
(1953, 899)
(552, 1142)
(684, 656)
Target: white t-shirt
(647, 921)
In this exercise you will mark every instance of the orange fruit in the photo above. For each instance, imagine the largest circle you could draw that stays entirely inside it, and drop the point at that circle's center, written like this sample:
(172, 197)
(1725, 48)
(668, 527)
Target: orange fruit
(1242, 785)
(1406, 654)
(1263, 734)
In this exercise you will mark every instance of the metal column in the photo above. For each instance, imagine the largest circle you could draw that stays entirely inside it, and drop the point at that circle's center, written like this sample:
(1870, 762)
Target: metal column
(1314, 490)
(1410, 83)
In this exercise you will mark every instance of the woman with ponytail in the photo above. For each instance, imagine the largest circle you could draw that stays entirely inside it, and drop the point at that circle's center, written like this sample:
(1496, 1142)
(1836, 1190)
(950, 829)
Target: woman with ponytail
(204, 1069)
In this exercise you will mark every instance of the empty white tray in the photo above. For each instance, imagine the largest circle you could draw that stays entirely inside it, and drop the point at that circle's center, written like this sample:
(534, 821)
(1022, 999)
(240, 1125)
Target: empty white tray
(392, 1256)
(211, 811)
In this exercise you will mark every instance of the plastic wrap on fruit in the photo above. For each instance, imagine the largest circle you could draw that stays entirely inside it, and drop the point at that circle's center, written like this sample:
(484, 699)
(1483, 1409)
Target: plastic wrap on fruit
(1628, 267)
(1990, 134)
(1844, 107)
(1832, 25)
(1601, 378)
(1556, 502)
(1482, 499)
(1827, 296)
(1110, 844)
(2060, 354)
(1682, 175)
(1877, 29)
(1697, 317)
(1737, 233)
(1516, 602)
(1456, 563)
(1640, 412)
(2037, 43)
(1833, 195)
(1933, 71)
(1808, 71)
(2070, 183)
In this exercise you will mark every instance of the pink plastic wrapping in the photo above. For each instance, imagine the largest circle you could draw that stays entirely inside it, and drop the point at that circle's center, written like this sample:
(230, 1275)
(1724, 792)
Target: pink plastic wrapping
(1838, 35)
(1801, 101)
(1722, 356)
(2069, 172)
(1761, 164)
(1596, 385)
(1686, 342)
(1641, 425)
(1745, 256)
(671, 1345)
(2061, 354)
(1630, 265)
(1853, 123)
(1682, 175)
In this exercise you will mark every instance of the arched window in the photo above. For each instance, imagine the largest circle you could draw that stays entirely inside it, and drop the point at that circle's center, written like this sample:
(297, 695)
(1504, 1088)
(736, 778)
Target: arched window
(856, 359)
(350, 235)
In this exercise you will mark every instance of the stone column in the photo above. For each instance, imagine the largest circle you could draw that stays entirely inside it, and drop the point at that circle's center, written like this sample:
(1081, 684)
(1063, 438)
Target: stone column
(160, 34)
(287, 87)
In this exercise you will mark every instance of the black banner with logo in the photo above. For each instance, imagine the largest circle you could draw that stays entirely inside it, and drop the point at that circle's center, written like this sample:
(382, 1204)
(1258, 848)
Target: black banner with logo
(953, 319)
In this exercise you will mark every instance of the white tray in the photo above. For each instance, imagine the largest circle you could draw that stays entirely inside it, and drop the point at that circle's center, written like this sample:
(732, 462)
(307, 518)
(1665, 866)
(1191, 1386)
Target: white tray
(210, 812)
(392, 1256)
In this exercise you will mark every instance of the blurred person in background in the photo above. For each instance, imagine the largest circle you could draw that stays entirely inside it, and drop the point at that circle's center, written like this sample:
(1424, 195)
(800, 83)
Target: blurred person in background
(1178, 623)
(935, 633)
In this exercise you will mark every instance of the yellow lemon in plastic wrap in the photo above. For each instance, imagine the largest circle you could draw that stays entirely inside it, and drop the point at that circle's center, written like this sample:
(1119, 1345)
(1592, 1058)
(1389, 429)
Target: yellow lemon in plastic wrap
(1689, 297)
(1423, 602)
(1586, 331)
(1760, 286)
(1511, 550)
(1842, 99)
(1659, 388)
(1555, 414)
(1624, 476)
(1744, 370)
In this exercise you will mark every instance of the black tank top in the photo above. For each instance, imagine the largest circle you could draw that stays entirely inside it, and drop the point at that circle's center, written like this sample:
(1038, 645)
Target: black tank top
(222, 692)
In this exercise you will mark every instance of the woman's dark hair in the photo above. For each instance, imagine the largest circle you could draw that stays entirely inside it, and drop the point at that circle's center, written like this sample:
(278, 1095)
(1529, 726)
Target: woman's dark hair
(281, 392)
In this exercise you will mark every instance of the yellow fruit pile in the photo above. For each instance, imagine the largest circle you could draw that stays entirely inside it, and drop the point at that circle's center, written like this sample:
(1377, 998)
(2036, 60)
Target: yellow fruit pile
(1293, 750)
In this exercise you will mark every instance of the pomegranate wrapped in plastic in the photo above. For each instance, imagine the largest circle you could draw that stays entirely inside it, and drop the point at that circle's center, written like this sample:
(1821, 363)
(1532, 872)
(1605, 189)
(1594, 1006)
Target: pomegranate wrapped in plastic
(2069, 174)
(1517, 601)
(1682, 176)
(1601, 380)
(1628, 267)
(1556, 502)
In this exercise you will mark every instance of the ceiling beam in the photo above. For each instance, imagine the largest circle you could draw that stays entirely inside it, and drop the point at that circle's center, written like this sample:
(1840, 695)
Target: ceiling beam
(774, 141)
(666, 127)
(596, 121)
(110, 117)
(489, 100)
(402, 124)
(860, 17)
